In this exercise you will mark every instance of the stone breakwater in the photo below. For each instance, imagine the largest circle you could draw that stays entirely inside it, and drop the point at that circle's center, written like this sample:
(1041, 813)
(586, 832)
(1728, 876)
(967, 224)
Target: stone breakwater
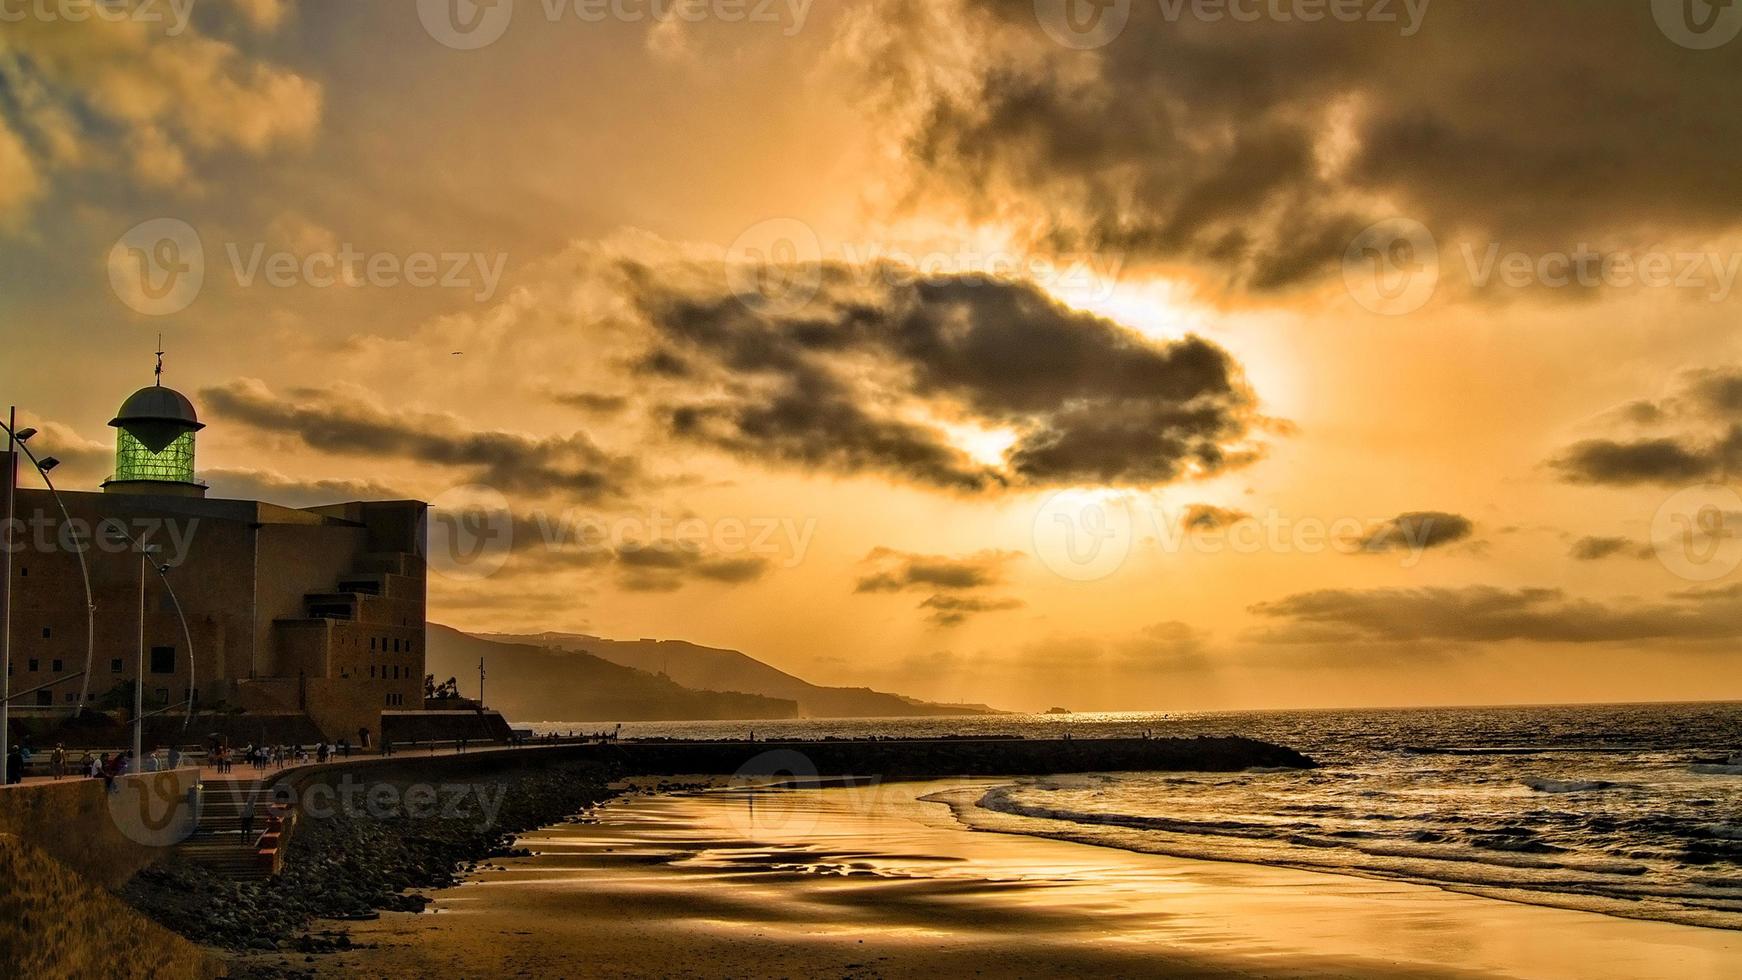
(352, 861)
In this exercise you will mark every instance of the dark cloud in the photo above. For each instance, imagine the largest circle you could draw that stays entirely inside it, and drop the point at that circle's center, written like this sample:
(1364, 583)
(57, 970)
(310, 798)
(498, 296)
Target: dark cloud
(1206, 517)
(1708, 407)
(331, 423)
(1417, 531)
(957, 583)
(954, 610)
(896, 571)
(1486, 614)
(668, 566)
(597, 404)
(868, 374)
(1254, 148)
(1599, 548)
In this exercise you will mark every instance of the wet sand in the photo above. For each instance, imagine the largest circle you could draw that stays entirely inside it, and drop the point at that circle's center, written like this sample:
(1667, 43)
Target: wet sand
(872, 882)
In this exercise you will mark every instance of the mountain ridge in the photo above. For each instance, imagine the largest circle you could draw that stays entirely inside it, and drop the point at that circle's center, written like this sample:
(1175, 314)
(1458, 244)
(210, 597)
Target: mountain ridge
(720, 669)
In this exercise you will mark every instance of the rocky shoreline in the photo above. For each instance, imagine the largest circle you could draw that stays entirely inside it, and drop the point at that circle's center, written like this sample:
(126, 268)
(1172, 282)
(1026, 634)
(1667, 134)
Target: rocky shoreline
(350, 865)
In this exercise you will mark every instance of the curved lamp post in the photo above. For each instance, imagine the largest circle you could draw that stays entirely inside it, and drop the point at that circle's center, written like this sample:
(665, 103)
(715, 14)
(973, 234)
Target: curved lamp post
(146, 558)
(21, 439)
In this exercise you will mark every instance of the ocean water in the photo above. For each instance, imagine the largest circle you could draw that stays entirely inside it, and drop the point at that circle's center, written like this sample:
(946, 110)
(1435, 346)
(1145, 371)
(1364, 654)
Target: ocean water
(1631, 810)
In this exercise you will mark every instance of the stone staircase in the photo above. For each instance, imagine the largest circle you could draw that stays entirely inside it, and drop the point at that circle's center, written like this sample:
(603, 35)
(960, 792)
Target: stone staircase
(217, 844)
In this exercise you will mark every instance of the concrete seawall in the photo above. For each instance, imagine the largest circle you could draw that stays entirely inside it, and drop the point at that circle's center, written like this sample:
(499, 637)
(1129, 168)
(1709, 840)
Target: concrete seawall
(104, 834)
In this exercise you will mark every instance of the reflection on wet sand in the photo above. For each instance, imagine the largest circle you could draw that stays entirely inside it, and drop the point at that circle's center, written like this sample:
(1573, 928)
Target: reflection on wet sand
(871, 881)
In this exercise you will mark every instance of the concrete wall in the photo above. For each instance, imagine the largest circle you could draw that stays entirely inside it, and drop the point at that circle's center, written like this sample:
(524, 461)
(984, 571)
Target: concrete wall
(55, 924)
(105, 835)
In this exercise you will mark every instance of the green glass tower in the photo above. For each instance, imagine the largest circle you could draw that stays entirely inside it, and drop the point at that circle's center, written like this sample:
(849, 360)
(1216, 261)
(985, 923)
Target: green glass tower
(154, 443)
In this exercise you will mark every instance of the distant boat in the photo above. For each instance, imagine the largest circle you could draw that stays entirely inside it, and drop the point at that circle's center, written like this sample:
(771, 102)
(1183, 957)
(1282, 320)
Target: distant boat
(1058, 711)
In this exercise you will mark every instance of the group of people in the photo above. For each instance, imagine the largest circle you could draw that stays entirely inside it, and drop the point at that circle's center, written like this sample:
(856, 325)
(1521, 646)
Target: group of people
(264, 757)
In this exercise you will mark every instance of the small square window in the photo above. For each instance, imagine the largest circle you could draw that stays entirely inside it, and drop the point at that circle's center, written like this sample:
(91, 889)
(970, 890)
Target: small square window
(35, 665)
(59, 665)
(47, 632)
(115, 666)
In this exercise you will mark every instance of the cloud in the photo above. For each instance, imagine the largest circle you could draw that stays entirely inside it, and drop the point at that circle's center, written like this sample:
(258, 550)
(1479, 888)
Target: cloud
(668, 566)
(895, 571)
(1207, 517)
(953, 610)
(957, 583)
(1598, 548)
(1417, 531)
(592, 402)
(870, 373)
(1708, 409)
(341, 422)
(1487, 614)
(1258, 149)
(138, 98)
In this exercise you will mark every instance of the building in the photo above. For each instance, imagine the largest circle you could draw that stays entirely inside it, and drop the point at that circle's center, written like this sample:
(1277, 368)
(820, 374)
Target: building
(313, 614)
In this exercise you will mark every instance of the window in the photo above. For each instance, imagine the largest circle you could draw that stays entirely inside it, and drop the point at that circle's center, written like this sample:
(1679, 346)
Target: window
(45, 699)
(24, 571)
(115, 666)
(371, 670)
(47, 633)
(59, 665)
(371, 644)
(69, 697)
(163, 660)
(35, 665)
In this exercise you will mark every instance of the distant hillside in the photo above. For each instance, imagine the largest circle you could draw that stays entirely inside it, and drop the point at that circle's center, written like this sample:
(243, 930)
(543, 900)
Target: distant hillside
(708, 668)
(535, 683)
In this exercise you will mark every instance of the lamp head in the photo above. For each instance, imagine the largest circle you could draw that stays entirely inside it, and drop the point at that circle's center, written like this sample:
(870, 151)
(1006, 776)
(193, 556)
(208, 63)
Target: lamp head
(24, 434)
(47, 463)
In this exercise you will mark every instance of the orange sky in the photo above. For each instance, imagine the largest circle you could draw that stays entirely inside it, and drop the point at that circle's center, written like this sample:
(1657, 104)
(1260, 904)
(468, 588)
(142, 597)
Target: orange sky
(902, 344)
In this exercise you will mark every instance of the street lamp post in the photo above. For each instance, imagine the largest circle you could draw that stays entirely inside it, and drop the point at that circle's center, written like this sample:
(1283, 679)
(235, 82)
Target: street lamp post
(139, 674)
(21, 438)
(6, 593)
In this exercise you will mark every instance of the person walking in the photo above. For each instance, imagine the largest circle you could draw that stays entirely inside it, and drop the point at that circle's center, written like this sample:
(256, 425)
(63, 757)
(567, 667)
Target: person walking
(57, 760)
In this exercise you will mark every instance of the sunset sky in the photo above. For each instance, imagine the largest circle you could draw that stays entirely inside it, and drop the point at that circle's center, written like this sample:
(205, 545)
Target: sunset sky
(1390, 360)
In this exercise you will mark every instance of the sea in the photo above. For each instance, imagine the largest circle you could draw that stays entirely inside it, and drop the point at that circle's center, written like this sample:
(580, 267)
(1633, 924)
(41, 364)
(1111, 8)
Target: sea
(1632, 810)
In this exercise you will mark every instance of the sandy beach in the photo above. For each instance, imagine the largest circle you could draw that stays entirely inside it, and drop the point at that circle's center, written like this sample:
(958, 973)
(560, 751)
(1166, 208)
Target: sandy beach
(873, 882)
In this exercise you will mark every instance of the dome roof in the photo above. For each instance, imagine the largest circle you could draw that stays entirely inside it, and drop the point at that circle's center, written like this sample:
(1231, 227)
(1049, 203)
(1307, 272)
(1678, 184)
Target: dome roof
(157, 404)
